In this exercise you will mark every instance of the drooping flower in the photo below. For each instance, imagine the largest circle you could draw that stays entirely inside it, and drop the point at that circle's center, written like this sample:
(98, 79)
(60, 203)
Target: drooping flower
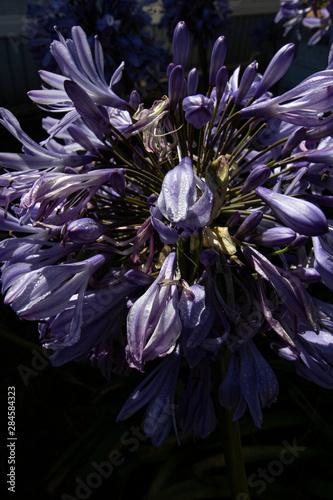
(153, 322)
(250, 383)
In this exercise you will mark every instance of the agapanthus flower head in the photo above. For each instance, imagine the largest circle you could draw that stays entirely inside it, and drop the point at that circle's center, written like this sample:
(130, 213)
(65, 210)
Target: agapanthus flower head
(178, 236)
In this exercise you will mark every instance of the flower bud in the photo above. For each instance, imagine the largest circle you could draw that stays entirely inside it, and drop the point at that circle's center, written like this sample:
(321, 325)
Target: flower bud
(134, 99)
(258, 176)
(181, 44)
(293, 141)
(84, 230)
(273, 237)
(169, 69)
(299, 241)
(300, 215)
(233, 219)
(221, 82)
(278, 66)
(117, 180)
(192, 81)
(247, 79)
(176, 82)
(248, 225)
(217, 58)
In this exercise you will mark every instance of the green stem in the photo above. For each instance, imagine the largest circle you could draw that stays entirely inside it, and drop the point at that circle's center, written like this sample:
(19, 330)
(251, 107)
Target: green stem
(233, 453)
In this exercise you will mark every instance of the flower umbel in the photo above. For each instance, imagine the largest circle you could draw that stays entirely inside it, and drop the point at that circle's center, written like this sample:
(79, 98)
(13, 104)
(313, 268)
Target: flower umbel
(168, 238)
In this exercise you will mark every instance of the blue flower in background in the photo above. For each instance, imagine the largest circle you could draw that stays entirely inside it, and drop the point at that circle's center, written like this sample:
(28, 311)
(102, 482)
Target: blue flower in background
(124, 30)
(205, 20)
(315, 16)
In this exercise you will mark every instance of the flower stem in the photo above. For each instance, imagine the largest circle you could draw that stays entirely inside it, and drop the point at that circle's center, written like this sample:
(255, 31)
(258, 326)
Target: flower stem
(233, 452)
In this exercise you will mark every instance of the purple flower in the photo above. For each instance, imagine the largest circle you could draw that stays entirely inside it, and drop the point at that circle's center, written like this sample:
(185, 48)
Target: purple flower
(40, 293)
(137, 233)
(198, 110)
(35, 156)
(178, 202)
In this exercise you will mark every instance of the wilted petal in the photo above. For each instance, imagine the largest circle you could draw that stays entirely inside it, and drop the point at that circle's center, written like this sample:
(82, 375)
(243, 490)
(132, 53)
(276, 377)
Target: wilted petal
(250, 382)
(157, 389)
(153, 322)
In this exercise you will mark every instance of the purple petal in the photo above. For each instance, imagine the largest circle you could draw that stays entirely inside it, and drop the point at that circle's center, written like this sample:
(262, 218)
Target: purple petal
(198, 110)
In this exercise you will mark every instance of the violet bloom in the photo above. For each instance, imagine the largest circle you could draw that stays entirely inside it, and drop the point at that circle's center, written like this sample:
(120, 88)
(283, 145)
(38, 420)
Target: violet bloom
(39, 293)
(198, 110)
(178, 203)
(300, 105)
